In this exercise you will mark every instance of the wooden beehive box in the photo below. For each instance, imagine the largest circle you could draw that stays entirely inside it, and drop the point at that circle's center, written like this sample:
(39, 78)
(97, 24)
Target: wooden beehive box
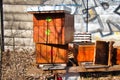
(118, 56)
(85, 53)
(53, 27)
(101, 52)
(104, 53)
(51, 54)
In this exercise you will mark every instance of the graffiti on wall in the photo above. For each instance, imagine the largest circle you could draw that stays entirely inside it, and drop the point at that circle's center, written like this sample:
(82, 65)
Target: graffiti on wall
(104, 8)
(99, 16)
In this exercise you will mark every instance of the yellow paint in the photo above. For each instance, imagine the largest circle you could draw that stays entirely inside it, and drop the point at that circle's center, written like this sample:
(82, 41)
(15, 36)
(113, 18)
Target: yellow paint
(117, 33)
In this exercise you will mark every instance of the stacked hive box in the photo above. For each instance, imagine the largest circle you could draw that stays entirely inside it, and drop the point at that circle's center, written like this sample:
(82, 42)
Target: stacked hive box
(118, 56)
(53, 30)
(85, 53)
(100, 53)
(49, 53)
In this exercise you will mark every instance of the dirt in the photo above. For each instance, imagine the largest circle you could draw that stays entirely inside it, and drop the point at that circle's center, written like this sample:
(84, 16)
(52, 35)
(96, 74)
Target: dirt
(22, 66)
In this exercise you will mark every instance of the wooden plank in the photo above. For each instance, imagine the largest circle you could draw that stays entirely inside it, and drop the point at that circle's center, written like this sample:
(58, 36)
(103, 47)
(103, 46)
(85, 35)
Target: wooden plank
(96, 66)
(83, 69)
(76, 69)
(97, 69)
(114, 68)
(54, 67)
(110, 54)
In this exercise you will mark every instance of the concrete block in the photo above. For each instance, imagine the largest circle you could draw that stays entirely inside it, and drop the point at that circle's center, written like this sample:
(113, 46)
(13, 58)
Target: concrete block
(22, 1)
(18, 25)
(19, 42)
(20, 48)
(18, 33)
(8, 41)
(17, 17)
(24, 42)
(15, 8)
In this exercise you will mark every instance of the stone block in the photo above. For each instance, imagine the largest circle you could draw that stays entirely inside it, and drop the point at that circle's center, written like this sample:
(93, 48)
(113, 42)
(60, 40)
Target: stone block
(22, 1)
(17, 17)
(18, 25)
(18, 33)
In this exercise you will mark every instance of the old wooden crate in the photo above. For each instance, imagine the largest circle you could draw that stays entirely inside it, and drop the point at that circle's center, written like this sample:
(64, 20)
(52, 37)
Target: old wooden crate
(104, 53)
(56, 27)
(51, 54)
(84, 53)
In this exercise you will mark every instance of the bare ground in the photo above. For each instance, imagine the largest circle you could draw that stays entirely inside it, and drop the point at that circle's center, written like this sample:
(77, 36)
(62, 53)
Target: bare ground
(22, 66)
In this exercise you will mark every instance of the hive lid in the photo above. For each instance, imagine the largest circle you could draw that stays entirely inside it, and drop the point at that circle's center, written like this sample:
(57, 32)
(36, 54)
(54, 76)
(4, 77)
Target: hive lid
(48, 9)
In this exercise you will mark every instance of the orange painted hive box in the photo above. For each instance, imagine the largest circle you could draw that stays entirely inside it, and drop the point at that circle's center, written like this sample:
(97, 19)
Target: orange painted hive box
(53, 27)
(118, 56)
(51, 54)
(85, 53)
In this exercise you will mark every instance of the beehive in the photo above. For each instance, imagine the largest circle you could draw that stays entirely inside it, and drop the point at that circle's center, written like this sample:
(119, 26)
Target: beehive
(101, 52)
(53, 27)
(85, 53)
(118, 56)
(51, 54)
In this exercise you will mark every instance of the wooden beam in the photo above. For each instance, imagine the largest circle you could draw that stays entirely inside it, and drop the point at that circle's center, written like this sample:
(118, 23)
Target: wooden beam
(96, 68)
(110, 53)
(114, 68)
(93, 69)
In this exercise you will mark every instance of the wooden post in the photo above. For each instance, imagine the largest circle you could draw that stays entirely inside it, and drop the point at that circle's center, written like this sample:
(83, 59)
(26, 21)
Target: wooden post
(2, 27)
(110, 54)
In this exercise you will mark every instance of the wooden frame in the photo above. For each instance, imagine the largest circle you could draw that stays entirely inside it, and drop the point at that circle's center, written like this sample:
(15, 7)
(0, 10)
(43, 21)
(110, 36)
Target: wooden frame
(103, 52)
